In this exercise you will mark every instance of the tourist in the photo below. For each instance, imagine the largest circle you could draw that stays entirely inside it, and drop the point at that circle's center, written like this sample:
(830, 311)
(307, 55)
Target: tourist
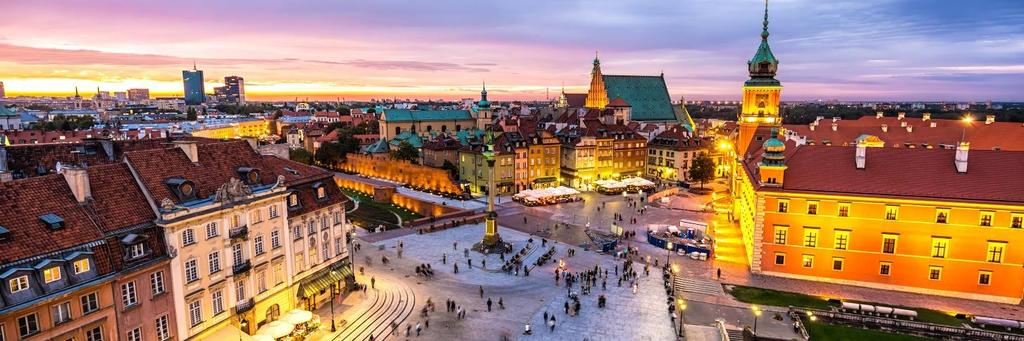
(481, 291)
(373, 282)
(418, 328)
(483, 263)
(526, 330)
(455, 246)
(719, 274)
(470, 262)
(545, 315)
(456, 266)
(408, 329)
(488, 304)
(501, 303)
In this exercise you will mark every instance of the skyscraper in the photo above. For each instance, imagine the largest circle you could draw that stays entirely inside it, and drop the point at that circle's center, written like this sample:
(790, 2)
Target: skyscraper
(234, 89)
(195, 94)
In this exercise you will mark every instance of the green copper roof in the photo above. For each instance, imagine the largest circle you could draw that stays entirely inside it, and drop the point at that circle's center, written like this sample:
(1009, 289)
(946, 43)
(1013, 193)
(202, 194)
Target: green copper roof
(410, 137)
(381, 146)
(764, 65)
(648, 96)
(774, 142)
(405, 115)
(4, 111)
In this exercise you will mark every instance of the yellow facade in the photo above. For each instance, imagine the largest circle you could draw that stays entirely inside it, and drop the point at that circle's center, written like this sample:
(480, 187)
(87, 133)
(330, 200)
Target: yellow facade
(760, 108)
(253, 129)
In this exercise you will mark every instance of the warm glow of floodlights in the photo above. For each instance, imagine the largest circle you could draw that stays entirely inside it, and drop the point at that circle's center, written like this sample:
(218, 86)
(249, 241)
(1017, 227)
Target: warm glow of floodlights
(967, 118)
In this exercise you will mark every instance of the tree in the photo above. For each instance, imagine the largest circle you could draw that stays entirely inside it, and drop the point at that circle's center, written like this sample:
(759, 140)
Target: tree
(328, 155)
(702, 169)
(301, 155)
(190, 114)
(452, 169)
(405, 151)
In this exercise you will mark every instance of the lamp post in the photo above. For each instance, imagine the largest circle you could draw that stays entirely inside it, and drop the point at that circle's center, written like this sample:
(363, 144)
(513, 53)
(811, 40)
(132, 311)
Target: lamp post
(333, 328)
(757, 315)
(681, 307)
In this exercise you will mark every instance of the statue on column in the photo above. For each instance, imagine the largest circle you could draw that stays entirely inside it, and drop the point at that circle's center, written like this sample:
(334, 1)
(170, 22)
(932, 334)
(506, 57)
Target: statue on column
(491, 242)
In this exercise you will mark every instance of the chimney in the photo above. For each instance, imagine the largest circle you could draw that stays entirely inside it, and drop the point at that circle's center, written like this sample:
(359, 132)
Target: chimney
(910, 129)
(190, 149)
(933, 124)
(862, 155)
(961, 157)
(926, 116)
(885, 128)
(835, 126)
(901, 115)
(78, 180)
(879, 114)
(989, 119)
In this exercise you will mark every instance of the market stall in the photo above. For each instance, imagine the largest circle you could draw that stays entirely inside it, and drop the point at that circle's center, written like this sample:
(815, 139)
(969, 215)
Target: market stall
(546, 196)
(277, 329)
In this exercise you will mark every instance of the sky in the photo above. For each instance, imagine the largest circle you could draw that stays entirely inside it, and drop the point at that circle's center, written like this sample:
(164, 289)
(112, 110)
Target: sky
(917, 50)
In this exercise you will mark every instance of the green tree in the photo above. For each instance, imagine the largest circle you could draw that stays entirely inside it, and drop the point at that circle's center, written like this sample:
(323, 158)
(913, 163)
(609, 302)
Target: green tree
(702, 169)
(452, 169)
(406, 151)
(329, 154)
(301, 155)
(191, 115)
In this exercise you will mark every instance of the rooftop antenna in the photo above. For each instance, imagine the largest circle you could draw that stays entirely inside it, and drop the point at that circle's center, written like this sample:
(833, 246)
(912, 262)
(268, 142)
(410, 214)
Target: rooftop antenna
(194, 65)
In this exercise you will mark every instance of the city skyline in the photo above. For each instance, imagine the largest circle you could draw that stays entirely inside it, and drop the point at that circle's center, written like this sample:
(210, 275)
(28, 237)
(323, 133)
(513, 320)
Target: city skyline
(893, 50)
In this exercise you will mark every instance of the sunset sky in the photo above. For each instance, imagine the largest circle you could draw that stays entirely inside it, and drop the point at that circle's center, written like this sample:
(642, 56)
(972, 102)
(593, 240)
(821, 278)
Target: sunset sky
(847, 50)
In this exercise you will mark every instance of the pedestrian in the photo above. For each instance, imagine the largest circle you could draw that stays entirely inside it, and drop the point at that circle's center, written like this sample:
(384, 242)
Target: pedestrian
(373, 282)
(455, 246)
(481, 291)
(444, 258)
(501, 304)
(426, 324)
(488, 304)
(483, 263)
(566, 308)
(456, 268)
(551, 323)
(470, 262)
(418, 328)
(545, 315)
(719, 274)
(408, 329)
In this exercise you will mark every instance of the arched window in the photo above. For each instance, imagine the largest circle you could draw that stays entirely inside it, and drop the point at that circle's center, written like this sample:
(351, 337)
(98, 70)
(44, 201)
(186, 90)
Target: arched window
(273, 313)
(325, 248)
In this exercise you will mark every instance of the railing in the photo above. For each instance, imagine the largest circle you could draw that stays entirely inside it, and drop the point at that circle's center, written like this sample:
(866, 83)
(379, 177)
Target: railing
(239, 232)
(244, 306)
(242, 267)
(908, 327)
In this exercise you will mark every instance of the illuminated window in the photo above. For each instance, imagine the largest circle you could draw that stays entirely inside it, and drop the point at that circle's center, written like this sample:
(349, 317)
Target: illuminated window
(81, 265)
(812, 207)
(935, 273)
(889, 243)
(810, 237)
(1017, 220)
(941, 215)
(838, 263)
(780, 234)
(783, 206)
(18, 284)
(940, 247)
(995, 252)
(884, 268)
(986, 218)
(844, 209)
(808, 261)
(892, 212)
(780, 258)
(842, 239)
(51, 274)
(984, 277)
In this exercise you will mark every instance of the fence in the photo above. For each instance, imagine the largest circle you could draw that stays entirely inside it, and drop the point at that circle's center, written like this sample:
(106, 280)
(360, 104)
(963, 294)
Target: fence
(908, 327)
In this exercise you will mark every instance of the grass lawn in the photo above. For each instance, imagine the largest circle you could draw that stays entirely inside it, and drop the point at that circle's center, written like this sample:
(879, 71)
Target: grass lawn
(785, 299)
(371, 213)
(827, 332)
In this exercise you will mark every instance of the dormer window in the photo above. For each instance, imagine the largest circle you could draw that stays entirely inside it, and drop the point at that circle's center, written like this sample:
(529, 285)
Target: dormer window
(320, 190)
(52, 221)
(293, 200)
(51, 274)
(185, 190)
(250, 175)
(18, 284)
(137, 250)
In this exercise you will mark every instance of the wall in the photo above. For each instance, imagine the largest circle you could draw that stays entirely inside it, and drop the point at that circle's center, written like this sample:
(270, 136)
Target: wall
(417, 176)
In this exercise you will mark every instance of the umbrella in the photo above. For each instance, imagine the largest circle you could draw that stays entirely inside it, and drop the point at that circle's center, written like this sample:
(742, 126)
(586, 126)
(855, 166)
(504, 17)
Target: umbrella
(297, 316)
(261, 337)
(276, 329)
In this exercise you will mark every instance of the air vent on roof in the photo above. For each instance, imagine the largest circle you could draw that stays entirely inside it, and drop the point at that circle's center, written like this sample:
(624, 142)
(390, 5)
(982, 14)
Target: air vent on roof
(53, 221)
(290, 170)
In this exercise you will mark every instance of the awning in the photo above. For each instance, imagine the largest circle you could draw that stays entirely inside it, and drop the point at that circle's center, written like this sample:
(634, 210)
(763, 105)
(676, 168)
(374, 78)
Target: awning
(324, 280)
(546, 179)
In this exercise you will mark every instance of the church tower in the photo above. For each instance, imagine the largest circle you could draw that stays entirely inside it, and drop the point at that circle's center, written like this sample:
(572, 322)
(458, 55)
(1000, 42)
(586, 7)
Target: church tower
(761, 93)
(483, 111)
(597, 97)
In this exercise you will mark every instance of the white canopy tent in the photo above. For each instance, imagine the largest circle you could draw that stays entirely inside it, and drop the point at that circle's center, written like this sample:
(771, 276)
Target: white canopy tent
(276, 329)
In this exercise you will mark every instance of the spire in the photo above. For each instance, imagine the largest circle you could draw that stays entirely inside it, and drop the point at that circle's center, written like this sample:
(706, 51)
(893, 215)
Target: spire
(483, 104)
(764, 32)
(597, 96)
(194, 61)
(596, 61)
(76, 92)
(764, 65)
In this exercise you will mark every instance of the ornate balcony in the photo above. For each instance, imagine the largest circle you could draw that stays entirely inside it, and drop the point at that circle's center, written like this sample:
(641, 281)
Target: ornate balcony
(244, 306)
(240, 232)
(242, 267)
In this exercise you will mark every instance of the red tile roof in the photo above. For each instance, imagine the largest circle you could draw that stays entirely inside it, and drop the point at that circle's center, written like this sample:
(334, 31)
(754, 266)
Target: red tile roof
(1002, 135)
(26, 160)
(576, 100)
(618, 102)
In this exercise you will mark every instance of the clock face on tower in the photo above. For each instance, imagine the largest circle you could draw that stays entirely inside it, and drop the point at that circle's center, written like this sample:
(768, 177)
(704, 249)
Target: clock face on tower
(762, 101)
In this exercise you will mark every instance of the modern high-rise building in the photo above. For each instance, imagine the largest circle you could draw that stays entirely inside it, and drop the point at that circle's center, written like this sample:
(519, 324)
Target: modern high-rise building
(234, 89)
(136, 95)
(195, 93)
(2, 93)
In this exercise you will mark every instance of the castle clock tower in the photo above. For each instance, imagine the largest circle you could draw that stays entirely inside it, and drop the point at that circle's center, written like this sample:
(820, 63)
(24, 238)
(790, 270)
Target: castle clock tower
(761, 93)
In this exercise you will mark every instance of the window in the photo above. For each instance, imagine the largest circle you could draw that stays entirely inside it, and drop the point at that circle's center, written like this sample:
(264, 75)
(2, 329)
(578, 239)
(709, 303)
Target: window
(838, 263)
(884, 268)
(889, 243)
(218, 302)
(81, 265)
(156, 282)
(236, 252)
(995, 251)
(214, 262)
(18, 284)
(338, 246)
(261, 282)
(1017, 220)
(942, 215)
(128, 294)
(310, 227)
(321, 192)
(986, 218)
(95, 334)
(278, 274)
(28, 325)
(191, 271)
(61, 312)
(240, 290)
(255, 216)
(275, 239)
(780, 234)
(844, 209)
(296, 232)
(258, 245)
(195, 313)
(940, 246)
(810, 237)
(137, 250)
(892, 212)
(325, 247)
(135, 334)
(337, 217)
(90, 303)
(299, 262)
(984, 277)
(273, 211)
(212, 230)
(51, 274)
(842, 239)
(780, 258)
(812, 207)
(236, 221)
(783, 206)
(808, 261)
(293, 200)
(188, 237)
(935, 273)
(162, 331)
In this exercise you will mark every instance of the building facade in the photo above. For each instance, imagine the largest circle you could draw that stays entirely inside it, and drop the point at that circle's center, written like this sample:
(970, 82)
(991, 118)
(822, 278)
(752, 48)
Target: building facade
(195, 88)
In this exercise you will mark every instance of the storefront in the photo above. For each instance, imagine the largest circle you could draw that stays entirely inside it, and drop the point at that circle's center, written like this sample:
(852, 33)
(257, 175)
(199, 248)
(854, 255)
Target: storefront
(317, 288)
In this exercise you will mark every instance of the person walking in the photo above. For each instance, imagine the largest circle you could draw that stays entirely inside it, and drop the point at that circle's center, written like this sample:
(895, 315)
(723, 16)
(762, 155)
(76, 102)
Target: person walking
(481, 291)
(470, 262)
(456, 266)
(373, 282)
(418, 328)
(444, 258)
(719, 274)
(501, 303)
(488, 304)
(551, 323)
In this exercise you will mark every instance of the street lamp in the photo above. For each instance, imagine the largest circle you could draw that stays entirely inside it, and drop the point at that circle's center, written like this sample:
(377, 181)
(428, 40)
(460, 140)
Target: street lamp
(757, 314)
(681, 307)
